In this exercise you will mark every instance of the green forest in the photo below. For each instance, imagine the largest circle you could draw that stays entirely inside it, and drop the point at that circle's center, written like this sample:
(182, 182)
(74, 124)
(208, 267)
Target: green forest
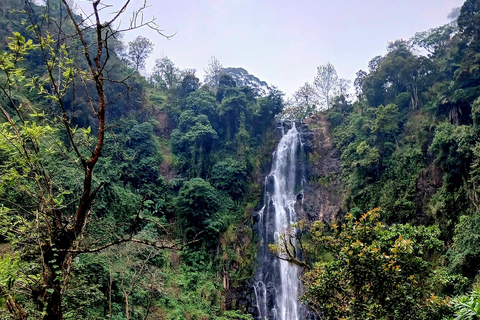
(125, 196)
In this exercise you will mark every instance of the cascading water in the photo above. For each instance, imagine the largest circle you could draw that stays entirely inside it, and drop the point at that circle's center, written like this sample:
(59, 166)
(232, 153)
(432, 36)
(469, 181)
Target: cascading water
(276, 284)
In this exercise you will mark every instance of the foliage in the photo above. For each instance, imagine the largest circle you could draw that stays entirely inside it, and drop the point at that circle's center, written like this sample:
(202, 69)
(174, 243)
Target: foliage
(409, 144)
(469, 19)
(304, 104)
(197, 201)
(376, 272)
(464, 255)
(56, 164)
(234, 315)
(435, 39)
(192, 141)
(165, 74)
(230, 176)
(467, 307)
(138, 51)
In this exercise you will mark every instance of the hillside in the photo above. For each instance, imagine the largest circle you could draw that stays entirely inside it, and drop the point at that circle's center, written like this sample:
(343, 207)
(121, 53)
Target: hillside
(126, 197)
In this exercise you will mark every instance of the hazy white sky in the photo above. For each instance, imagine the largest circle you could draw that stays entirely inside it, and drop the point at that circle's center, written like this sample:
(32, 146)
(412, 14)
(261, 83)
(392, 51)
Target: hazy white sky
(282, 42)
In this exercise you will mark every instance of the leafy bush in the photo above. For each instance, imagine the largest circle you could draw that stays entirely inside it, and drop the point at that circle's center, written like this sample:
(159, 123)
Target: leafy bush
(375, 271)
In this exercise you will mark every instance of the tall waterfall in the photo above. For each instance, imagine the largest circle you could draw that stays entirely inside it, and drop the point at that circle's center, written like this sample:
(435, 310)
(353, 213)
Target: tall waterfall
(276, 284)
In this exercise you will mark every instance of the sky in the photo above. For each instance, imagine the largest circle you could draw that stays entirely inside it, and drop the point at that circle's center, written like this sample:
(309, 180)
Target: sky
(282, 42)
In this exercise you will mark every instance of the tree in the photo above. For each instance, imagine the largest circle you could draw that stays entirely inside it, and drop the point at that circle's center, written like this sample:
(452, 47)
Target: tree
(358, 83)
(385, 125)
(303, 104)
(232, 111)
(364, 269)
(374, 63)
(326, 82)
(230, 176)
(139, 50)
(132, 263)
(197, 201)
(226, 86)
(189, 84)
(201, 102)
(434, 39)
(192, 141)
(399, 71)
(469, 20)
(306, 98)
(268, 108)
(52, 214)
(165, 73)
(213, 72)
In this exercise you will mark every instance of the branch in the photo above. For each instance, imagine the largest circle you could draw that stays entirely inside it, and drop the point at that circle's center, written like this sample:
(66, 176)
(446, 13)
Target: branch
(287, 255)
(14, 106)
(293, 260)
(90, 100)
(155, 244)
(80, 35)
(54, 84)
(15, 309)
(119, 12)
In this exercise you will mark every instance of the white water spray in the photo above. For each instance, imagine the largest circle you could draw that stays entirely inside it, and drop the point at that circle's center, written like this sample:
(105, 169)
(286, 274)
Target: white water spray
(277, 288)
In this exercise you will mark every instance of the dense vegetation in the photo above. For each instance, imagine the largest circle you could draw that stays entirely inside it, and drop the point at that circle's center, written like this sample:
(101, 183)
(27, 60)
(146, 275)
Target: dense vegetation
(91, 226)
(408, 144)
(125, 197)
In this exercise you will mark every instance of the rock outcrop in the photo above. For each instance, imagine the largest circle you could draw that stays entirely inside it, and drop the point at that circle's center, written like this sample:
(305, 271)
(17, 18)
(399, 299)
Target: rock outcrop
(322, 197)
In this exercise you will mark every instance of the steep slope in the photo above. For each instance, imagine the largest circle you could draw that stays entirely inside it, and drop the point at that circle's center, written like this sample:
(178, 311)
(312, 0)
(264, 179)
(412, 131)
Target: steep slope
(323, 198)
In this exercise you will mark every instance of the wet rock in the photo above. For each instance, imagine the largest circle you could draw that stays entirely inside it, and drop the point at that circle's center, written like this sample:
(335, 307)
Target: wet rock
(428, 183)
(322, 197)
(317, 194)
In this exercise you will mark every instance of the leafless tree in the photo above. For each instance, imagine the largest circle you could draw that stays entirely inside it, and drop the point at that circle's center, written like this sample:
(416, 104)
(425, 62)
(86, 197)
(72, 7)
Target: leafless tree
(213, 72)
(303, 104)
(326, 82)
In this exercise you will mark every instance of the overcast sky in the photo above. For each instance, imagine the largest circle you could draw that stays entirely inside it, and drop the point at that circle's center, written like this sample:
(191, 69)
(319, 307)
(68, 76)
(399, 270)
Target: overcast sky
(282, 42)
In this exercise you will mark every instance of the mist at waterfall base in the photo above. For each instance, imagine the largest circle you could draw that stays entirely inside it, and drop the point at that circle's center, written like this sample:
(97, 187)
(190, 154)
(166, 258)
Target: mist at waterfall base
(276, 285)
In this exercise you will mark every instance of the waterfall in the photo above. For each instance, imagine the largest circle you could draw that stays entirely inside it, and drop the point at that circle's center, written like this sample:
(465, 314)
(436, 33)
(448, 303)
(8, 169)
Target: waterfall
(276, 284)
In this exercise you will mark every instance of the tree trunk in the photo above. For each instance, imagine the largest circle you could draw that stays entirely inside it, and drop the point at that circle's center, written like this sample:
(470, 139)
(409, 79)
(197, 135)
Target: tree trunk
(110, 295)
(54, 305)
(127, 309)
(54, 262)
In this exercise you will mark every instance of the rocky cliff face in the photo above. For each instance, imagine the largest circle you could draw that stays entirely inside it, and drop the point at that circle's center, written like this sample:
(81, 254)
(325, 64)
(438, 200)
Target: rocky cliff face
(322, 197)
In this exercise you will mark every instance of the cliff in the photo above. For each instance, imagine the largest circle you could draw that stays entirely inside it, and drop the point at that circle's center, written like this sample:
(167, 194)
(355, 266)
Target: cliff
(322, 197)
